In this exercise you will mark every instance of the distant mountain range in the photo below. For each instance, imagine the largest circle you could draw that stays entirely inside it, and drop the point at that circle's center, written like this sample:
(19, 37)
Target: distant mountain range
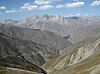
(58, 24)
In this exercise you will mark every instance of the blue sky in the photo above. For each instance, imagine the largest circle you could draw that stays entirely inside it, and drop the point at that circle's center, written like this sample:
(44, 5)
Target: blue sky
(18, 9)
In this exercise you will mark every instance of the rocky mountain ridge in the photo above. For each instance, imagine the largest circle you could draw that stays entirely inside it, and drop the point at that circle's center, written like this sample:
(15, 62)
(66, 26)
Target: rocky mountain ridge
(48, 38)
(17, 53)
(82, 54)
(58, 24)
(10, 46)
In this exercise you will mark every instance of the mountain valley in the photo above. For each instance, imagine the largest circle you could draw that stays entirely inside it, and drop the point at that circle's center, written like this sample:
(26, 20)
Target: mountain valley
(50, 44)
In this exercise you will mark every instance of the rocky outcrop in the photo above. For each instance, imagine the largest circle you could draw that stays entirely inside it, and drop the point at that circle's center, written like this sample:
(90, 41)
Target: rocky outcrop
(82, 52)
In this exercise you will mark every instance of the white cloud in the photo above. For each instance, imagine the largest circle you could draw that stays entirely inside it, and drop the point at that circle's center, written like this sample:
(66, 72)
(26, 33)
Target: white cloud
(86, 14)
(2, 7)
(28, 6)
(13, 11)
(75, 15)
(25, 7)
(60, 6)
(46, 7)
(78, 14)
(74, 4)
(42, 2)
(95, 3)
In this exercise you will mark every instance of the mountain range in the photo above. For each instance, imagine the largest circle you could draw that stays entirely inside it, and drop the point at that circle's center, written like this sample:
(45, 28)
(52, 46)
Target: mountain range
(32, 45)
(51, 44)
(58, 24)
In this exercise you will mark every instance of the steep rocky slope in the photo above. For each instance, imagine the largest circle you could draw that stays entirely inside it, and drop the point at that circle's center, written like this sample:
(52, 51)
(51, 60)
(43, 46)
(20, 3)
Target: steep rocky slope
(90, 31)
(16, 47)
(84, 59)
(17, 53)
(48, 38)
(20, 63)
